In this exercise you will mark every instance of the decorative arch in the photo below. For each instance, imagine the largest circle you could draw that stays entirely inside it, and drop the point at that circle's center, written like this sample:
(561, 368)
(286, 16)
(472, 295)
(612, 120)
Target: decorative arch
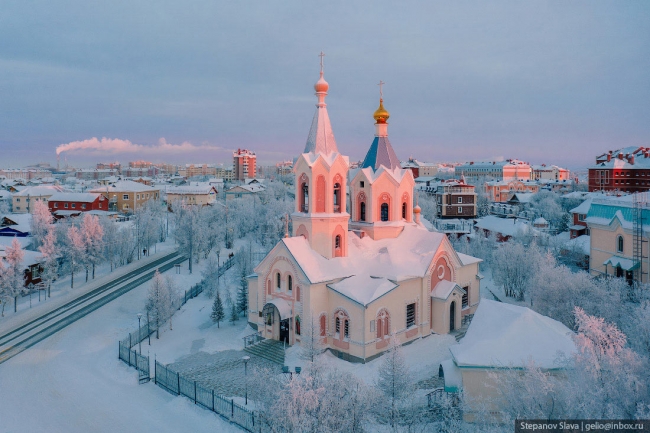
(271, 272)
(303, 194)
(382, 323)
(320, 194)
(302, 231)
(384, 207)
(322, 320)
(340, 250)
(361, 207)
(341, 323)
(441, 269)
(406, 207)
(338, 195)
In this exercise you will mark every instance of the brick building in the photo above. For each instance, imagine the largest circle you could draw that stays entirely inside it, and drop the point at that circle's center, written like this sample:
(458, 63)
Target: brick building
(455, 199)
(625, 170)
(244, 162)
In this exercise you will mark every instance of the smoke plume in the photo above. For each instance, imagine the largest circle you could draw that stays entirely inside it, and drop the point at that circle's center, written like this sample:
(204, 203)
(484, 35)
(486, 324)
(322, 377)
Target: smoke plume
(109, 146)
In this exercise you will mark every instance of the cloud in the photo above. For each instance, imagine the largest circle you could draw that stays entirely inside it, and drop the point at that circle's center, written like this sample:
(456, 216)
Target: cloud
(111, 146)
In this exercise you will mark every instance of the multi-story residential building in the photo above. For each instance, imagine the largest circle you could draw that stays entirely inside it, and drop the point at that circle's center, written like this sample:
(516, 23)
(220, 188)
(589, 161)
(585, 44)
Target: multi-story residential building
(64, 203)
(511, 169)
(150, 171)
(501, 191)
(626, 170)
(419, 168)
(244, 162)
(611, 227)
(95, 174)
(455, 199)
(23, 200)
(109, 166)
(191, 170)
(225, 173)
(25, 173)
(284, 168)
(552, 172)
(127, 196)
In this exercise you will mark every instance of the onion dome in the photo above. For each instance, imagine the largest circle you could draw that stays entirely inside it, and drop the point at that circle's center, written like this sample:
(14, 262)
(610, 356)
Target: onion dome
(417, 209)
(381, 114)
(321, 85)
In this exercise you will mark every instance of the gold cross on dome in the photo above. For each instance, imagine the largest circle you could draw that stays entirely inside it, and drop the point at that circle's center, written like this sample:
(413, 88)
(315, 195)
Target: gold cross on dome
(381, 92)
(321, 55)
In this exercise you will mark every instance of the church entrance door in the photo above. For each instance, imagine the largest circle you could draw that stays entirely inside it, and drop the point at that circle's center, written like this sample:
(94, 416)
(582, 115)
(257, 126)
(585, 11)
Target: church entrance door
(452, 316)
(284, 330)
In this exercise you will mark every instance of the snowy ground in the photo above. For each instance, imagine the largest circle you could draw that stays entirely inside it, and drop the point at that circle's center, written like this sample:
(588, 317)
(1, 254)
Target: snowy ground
(74, 382)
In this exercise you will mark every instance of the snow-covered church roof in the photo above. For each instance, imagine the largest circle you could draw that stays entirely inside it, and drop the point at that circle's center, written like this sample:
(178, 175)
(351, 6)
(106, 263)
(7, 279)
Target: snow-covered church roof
(505, 335)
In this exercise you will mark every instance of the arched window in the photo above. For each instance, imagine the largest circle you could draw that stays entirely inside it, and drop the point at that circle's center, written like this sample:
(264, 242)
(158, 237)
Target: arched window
(278, 280)
(323, 326)
(337, 242)
(268, 287)
(289, 283)
(297, 325)
(304, 202)
(619, 244)
(384, 212)
(404, 210)
(379, 328)
(337, 197)
(362, 211)
(346, 329)
(337, 327)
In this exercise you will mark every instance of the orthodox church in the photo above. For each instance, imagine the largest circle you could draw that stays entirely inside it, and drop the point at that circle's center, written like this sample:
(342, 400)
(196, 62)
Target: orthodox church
(359, 265)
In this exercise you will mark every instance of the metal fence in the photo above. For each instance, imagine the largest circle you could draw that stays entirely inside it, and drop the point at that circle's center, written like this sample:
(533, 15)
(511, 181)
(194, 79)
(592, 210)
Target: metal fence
(173, 382)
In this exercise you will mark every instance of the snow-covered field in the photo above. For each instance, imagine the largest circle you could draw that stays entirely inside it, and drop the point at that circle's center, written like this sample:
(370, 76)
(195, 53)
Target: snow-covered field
(74, 382)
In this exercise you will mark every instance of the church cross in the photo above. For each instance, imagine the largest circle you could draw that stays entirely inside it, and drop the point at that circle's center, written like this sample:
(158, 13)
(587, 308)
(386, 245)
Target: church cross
(381, 92)
(321, 55)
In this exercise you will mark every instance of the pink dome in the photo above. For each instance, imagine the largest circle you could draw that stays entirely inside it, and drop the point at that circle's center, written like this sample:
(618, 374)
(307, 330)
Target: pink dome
(321, 85)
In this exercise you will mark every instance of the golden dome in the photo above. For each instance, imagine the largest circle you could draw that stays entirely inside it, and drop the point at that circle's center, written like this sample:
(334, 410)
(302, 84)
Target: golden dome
(381, 115)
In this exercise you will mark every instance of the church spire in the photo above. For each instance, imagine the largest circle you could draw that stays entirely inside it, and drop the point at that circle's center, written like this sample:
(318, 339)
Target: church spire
(381, 152)
(321, 138)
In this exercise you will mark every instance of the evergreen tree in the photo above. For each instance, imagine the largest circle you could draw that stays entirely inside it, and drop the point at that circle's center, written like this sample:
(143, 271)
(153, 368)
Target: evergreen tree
(394, 381)
(217, 310)
(234, 316)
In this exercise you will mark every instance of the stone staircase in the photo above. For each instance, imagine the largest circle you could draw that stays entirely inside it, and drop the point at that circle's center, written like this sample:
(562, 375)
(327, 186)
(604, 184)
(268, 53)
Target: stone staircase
(460, 332)
(272, 350)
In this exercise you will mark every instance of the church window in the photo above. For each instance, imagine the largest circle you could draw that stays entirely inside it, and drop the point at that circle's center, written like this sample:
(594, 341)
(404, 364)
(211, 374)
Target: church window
(278, 280)
(337, 197)
(323, 324)
(362, 211)
(403, 210)
(379, 328)
(361, 184)
(337, 327)
(346, 330)
(337, 242)
(465, 301)
(305, 198)
(619, 244)
(410, 315)
(289, 283)
(297, 325)
(384, 212)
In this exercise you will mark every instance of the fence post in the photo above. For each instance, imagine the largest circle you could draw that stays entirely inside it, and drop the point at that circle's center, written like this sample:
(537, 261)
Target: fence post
(185, 297)
(155, 371)
(232, 408)
(130, 345)
(213, 400)
(178, 383)
(195, 392)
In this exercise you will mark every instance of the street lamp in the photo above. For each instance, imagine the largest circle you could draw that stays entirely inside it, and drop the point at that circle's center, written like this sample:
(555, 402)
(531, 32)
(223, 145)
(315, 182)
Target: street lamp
(246, 359)
(139, 333)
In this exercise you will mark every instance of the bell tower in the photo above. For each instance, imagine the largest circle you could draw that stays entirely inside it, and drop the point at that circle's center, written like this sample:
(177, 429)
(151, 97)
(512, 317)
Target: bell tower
(321, 188)
(381, 192)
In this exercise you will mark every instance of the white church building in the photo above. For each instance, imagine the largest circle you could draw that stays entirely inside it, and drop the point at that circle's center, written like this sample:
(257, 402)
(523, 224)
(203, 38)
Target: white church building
(363, 273)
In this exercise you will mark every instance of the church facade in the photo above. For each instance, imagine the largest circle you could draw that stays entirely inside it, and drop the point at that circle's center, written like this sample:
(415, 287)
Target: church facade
(359, 265)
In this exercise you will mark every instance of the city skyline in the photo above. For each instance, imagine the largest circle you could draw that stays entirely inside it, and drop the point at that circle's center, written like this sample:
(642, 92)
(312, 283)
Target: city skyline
(551, 82)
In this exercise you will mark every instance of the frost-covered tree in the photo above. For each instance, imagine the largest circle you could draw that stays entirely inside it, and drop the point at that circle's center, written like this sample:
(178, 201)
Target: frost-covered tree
(394, 381)
(158, 303)
(174, 298)
(514, 266)
(50, 259)
(187, 230)
(93, 236)
(73, 252)
(218, 314)
(244, 269)
(234, 315)
(13, 274)
(311, 344)
(40, 223)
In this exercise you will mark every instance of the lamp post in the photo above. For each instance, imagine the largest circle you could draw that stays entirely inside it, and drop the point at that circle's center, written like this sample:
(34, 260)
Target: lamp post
(139, 332)
(246, 359)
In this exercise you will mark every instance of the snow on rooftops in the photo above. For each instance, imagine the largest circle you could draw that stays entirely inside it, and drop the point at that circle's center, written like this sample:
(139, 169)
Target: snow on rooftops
(80, 197)
(363, 289)
(583, 208)
(603, 212)
(505, 335)
(124, 186)
(443, 289)
(580, 244)
(505, 226)
(468, 260)
(192, 188)
(38, 190)
(406, 256)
